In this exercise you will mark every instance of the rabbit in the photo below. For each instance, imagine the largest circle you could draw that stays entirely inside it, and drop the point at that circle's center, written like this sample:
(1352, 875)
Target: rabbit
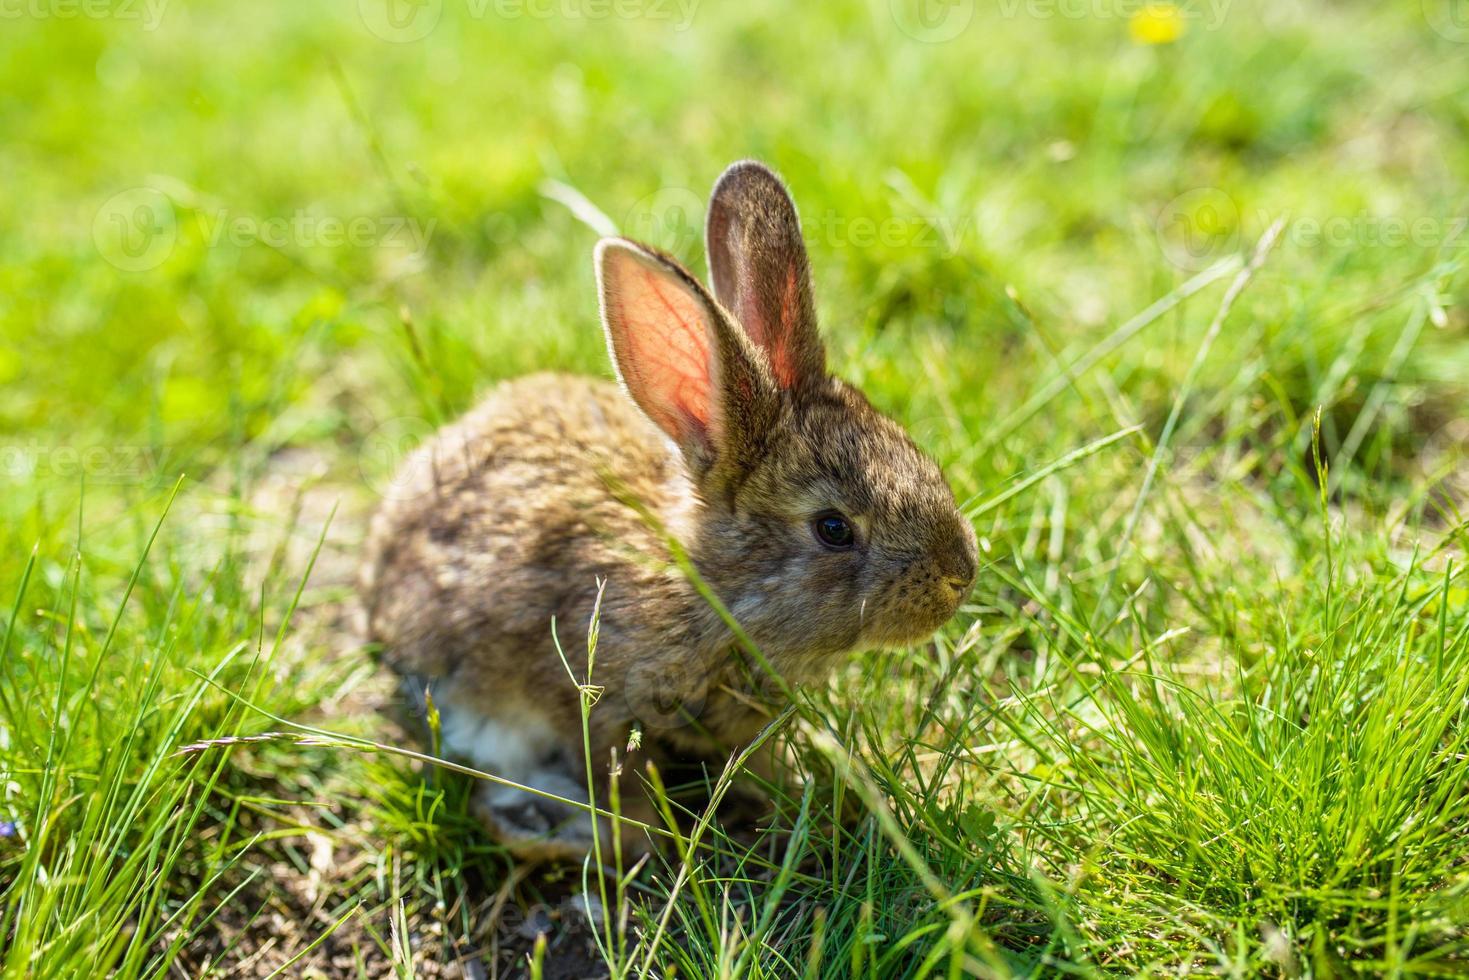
(812, 517)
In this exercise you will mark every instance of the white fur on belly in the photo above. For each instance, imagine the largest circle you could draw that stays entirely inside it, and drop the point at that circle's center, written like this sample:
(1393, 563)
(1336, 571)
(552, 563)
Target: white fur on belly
(520, 748)
(509, 747)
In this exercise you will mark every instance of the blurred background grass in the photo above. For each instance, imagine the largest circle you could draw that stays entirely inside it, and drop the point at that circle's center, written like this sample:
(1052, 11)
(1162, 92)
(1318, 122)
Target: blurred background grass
(266, 247)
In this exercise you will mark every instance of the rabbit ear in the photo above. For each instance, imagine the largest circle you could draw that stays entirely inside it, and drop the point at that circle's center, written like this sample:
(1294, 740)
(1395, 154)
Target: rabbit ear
(680, 357)
(757, 262)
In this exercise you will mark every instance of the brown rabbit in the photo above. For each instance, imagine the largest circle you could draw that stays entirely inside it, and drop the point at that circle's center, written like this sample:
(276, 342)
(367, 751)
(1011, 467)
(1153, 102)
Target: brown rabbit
(813, 518)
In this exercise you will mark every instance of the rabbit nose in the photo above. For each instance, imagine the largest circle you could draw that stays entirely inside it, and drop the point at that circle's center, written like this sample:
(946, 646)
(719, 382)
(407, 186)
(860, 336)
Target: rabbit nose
(957, 575)
(960, 564)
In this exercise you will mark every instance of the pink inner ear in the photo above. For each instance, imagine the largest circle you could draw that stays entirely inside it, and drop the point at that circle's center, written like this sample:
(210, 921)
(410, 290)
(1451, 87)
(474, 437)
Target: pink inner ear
(664, 356)
(773, 338)
(780, 344)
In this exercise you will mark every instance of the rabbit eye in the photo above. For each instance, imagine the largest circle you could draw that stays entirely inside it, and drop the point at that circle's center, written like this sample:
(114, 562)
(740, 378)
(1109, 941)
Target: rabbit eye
(834, 531)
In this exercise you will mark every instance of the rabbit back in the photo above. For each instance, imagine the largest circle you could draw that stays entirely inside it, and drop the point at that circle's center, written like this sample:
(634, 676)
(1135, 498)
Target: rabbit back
(507, 520)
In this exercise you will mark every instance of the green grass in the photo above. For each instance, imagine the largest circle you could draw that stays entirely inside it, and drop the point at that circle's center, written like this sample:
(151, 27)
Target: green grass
(1208, 707)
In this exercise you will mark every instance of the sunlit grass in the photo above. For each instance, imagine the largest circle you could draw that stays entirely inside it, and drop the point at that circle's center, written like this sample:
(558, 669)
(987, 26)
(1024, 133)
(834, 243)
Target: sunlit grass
(1206, 708)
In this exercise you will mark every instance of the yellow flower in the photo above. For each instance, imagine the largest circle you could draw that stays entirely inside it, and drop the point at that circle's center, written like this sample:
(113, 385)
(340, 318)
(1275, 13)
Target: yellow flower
(1156, 23)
